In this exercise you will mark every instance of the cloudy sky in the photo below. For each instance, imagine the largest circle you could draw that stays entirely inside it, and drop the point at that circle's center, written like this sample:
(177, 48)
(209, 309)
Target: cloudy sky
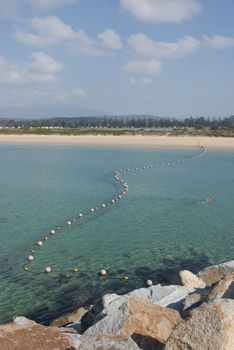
(172, 58)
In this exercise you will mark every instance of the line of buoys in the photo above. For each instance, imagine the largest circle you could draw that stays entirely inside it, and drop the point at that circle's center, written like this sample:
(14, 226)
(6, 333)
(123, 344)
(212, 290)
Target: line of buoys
(125, 188)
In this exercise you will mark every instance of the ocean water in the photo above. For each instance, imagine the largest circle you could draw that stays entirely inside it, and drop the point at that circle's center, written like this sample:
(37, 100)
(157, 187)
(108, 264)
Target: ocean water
(160, 227)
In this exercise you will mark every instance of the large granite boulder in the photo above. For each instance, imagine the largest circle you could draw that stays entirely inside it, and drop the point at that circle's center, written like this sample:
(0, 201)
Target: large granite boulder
(171, 296)
(168, 296)
(107, 342)
(137, 316)
(213, 274)
(189, 280)
(210, 327)
(23, 334)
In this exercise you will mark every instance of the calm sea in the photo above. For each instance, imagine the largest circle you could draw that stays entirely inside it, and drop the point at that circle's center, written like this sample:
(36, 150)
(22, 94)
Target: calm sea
(162, 226)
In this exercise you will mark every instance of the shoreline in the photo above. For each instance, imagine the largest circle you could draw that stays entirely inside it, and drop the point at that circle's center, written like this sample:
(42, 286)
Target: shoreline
(138, 141)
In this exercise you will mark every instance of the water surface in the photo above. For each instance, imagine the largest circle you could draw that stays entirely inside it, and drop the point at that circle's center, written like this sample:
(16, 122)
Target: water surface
(161, 226)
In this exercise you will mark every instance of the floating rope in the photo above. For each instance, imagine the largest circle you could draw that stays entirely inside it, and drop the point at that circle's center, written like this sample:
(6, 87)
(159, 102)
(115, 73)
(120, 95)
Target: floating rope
(104, 206)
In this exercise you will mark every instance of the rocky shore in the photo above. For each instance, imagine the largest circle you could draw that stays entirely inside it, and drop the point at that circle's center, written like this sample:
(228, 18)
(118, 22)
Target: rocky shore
(196, 315)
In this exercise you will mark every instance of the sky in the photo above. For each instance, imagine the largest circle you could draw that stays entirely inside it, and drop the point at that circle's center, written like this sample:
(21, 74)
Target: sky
(169, 58)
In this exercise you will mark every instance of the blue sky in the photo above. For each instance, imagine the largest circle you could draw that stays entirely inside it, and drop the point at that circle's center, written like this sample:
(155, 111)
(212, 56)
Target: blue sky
(172, 58)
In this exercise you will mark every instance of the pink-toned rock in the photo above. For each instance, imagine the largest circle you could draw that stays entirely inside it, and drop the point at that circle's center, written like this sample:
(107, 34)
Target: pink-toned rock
(189, 280)
(23, 334)
(222, 287)
(138, 316)
(210, 327)
(213, 274)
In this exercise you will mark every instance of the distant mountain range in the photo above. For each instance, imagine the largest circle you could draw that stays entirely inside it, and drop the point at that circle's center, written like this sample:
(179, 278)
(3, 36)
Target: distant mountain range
(48, 111)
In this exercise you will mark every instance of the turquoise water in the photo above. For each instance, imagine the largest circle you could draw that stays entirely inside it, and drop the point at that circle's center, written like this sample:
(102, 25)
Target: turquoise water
(161, 226)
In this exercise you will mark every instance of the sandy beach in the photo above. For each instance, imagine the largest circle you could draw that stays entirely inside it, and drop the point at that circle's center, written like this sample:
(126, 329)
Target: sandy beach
(222, 143)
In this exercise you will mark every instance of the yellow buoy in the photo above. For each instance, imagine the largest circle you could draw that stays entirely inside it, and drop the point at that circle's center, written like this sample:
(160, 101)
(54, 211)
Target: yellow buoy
(75, 269)
(126, 278)
(25, 268)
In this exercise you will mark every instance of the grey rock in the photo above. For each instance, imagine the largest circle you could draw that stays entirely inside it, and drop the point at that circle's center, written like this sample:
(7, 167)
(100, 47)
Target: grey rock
(108, 298)
(107, 342)
(138, 316)
(171, 296)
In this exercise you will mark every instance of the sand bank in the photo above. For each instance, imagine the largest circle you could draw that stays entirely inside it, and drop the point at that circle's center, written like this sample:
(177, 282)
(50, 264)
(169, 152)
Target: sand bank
(222, 143)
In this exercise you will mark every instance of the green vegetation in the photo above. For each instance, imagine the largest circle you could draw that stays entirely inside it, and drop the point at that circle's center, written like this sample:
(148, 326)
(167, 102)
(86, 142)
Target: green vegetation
(120, 126)
(157, 132)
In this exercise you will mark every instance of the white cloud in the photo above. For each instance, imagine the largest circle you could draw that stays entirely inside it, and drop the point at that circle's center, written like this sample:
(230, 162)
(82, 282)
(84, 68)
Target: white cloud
(41, 69)
(219, 42)
(149, 67)
(111, 39)
(41, 62)
(50, 30)
(79, 92)
(174, 11)
(144, 46)
(84, 45)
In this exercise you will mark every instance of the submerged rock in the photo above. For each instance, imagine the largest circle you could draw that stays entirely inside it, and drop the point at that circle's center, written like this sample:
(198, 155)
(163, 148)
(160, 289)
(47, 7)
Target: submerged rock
(137, 316)
(210, 327)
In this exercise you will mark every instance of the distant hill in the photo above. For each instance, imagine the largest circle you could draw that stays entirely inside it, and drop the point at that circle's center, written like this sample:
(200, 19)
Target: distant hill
(48, 111)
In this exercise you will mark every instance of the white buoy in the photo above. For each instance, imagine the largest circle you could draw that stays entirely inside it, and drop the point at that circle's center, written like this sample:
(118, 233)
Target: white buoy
(80, 215)
(69, 223)
(119, 196)
(112, 201)
(103, 273)
(103, 205)
(30, 258)
(149, 283)
(48, 269)
(92, 210)
(52, 232)
(40, 243)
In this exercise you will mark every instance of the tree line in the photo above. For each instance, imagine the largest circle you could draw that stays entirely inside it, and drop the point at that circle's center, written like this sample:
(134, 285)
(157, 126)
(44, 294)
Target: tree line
(121, 122)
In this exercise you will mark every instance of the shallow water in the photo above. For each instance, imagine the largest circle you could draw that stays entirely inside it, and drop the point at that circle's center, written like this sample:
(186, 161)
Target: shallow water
(161, 226)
